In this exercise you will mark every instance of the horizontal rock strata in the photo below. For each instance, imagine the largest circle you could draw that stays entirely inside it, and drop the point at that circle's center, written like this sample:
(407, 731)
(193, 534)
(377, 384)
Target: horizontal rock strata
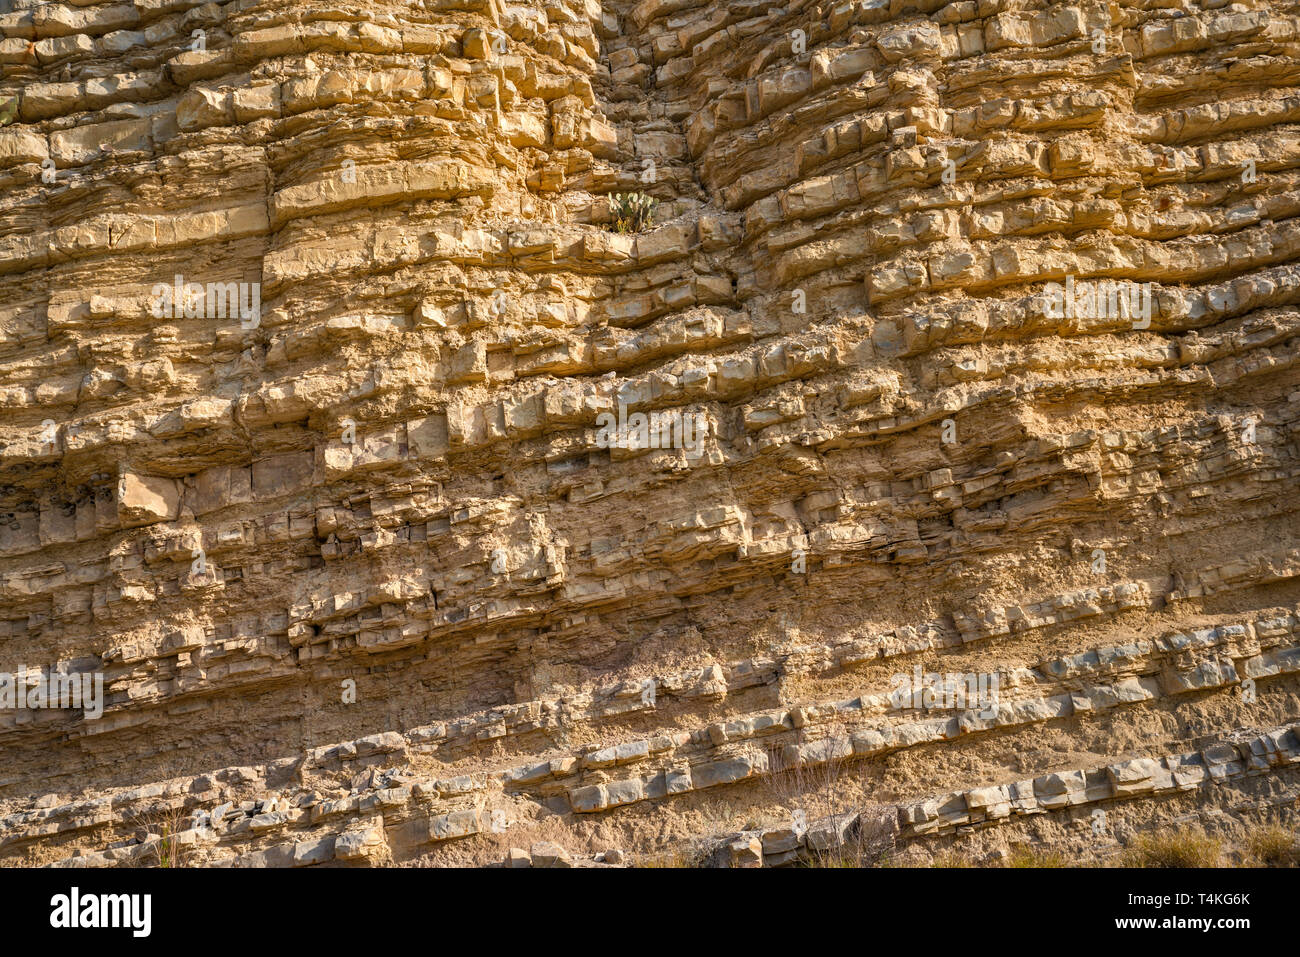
(310, 315)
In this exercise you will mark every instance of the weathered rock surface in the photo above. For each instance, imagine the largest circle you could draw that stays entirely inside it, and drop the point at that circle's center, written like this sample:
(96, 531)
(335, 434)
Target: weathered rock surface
(365, 585)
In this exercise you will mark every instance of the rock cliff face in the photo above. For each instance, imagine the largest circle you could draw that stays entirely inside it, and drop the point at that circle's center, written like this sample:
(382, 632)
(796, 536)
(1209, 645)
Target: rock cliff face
(984, 315)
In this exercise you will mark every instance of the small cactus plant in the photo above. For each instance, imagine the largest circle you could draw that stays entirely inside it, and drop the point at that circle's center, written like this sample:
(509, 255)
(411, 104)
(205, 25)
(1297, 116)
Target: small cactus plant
(632, 212)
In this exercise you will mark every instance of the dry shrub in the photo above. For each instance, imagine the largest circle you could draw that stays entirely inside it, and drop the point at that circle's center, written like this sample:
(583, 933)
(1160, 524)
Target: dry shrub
(1183, 848)
(951, 858)
(164, 824)
(1275, 847)
(1030, 857)
(675, 857)
(818, 789)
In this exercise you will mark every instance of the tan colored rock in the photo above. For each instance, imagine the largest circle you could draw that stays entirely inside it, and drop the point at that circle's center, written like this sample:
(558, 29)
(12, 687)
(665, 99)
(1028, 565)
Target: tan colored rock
(491, 508)
(146, 499)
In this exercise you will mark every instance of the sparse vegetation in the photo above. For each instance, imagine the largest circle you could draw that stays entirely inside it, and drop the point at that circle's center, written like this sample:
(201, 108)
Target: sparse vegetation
(951, 858)
(1183, 848)
(1274, 847)
(1029, 857)
(675, 857)
(817, 789)
(168, 850)
(632, 212)
(162, 827)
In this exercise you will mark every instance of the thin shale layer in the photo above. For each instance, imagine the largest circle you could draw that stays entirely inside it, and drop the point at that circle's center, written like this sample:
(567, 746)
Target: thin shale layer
(985, 314)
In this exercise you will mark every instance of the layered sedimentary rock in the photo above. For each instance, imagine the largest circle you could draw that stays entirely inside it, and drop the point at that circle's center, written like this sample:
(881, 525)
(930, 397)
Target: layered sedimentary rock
(364, 581)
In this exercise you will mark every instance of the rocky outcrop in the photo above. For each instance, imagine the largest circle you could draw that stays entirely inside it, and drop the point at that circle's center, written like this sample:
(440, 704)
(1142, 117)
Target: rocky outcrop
(963, 342)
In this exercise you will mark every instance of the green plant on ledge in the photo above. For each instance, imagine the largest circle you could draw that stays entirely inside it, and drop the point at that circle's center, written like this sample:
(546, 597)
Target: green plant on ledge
(8, 110)
(632, 212)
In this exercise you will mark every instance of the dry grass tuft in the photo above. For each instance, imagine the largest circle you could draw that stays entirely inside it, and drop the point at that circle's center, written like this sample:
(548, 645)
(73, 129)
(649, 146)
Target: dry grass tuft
(1183, 848)
(1275, 847)
(1029, 857)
